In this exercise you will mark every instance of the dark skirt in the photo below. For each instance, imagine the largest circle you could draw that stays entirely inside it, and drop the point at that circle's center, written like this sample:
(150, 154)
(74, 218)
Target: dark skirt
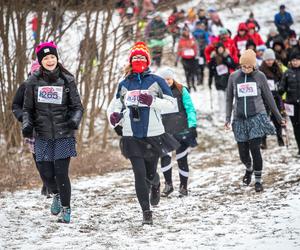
(256, 126)
(147, 147)
(54, 149)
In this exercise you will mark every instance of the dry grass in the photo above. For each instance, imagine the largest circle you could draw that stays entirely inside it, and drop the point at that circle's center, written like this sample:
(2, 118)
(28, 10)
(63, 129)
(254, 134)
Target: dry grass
(18, 171)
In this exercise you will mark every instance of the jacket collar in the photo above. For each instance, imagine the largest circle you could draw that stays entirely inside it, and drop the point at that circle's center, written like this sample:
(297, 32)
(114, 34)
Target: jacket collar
(51, 76)
(141, 75)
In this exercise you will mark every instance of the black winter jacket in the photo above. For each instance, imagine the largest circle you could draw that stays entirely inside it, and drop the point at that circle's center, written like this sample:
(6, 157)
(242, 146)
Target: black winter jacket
(221, 79)
(290, 83)
(52, 105)
(17, 105)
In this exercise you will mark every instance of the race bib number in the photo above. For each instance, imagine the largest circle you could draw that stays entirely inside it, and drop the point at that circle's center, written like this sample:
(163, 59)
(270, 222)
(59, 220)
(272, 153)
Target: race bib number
(129, 10)
(271, 84)
(247, 89)
(241, 45)
(50, 94)
(222, 69)
(132, 98)
(200, 60)
(289, 109)
(189, 52)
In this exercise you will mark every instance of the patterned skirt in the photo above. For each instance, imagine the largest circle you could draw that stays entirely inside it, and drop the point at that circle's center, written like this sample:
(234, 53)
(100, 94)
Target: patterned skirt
(256, 126)
(54, 149)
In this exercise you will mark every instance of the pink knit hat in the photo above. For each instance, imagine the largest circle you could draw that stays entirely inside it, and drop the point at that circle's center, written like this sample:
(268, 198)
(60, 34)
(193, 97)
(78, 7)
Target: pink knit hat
(35, 66)
(44, 49)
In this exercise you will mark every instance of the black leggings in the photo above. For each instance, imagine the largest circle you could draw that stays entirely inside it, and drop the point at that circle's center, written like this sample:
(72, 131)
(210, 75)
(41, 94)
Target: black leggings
(190, 69)
(296, 124)
(56, 176)
(252, 146)
(36, 164)
(182, 160)
(144, 172)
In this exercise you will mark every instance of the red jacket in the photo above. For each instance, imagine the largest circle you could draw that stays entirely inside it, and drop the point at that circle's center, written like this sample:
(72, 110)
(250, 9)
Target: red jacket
(207, 52)
(240, 42)
(233, 51)
(210, 48)
(187, 48)
(34, 23)
(256, 39)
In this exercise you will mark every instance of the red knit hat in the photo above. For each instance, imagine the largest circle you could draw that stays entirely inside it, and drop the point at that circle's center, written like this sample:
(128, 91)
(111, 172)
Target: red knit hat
(140, 48)
(251, 26)
(243, 26)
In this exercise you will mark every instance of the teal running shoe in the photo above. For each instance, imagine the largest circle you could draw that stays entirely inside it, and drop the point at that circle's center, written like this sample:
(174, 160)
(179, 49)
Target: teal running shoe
(56, 205)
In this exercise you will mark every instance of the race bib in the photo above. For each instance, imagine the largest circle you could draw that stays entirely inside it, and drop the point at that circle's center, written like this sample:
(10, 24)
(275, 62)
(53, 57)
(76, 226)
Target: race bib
(129, 10)
(222, 69)
(247, 89)
(50, 94)
(241, 45)
(189, 52)
(289, 109)
(200, 60)
(132, 98)
(271, 84)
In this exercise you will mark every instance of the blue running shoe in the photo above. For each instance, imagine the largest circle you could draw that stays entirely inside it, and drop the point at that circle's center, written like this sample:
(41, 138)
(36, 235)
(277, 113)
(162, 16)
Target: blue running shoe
(56, 205)
(65, 215)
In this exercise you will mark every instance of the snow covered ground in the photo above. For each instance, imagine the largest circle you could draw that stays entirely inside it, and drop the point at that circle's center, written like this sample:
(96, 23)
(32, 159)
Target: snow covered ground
(219, 212)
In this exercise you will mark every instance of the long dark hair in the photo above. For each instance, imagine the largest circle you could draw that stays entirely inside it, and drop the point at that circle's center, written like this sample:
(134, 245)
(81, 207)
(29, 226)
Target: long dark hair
(64, 70)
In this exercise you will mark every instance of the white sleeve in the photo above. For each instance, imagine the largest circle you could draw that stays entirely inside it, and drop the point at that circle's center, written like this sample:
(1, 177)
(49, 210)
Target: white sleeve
(114, 106)
(165, 104)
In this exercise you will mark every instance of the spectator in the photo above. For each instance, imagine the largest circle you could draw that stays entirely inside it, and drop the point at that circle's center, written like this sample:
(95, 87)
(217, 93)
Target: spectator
(283, 21)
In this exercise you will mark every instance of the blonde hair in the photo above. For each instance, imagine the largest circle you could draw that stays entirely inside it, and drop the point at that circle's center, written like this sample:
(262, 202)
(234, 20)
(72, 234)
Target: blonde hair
(127, 69)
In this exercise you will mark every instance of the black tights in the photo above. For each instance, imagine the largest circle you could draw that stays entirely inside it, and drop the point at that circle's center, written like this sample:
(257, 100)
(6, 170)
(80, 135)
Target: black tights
(182, 160)
(252, 146)
(144, 172)
(296, 124)
(55, 174)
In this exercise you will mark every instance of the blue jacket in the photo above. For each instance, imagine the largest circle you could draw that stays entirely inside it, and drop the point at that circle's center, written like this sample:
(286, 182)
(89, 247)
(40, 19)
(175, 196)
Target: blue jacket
(126, 99)
(201, 35)
(285, 19)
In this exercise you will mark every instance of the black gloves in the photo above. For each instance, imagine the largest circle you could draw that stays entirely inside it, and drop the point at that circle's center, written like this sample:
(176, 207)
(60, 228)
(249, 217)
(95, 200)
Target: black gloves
(27, 132)
(72, 124)
(193, 132)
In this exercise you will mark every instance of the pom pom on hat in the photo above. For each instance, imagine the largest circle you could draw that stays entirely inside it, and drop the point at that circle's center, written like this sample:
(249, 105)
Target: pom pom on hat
(140, 48)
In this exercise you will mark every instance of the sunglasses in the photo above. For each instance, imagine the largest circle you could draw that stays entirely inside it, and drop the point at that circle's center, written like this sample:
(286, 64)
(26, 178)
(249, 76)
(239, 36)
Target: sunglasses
(139, 58)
